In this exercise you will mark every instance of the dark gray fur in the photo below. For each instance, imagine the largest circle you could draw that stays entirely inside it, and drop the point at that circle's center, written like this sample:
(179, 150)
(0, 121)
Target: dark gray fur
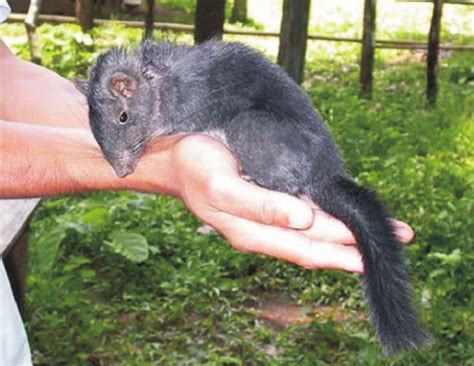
(237, 95)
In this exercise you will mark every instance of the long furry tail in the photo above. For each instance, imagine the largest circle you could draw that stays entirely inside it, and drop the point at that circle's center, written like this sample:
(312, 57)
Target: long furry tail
(387, 288)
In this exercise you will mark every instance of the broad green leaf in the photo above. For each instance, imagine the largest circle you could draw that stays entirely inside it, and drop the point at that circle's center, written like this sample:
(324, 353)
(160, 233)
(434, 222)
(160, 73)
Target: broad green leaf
(453, 258)
(87, 274)
(96, 216)
(131, 245)
(47, 247)
(154, 250)
(438, 272)
(75, 262)
(67, 223)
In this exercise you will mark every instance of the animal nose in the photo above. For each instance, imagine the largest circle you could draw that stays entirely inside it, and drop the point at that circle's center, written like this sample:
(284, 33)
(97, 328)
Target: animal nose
(123, 170)
(124, 163)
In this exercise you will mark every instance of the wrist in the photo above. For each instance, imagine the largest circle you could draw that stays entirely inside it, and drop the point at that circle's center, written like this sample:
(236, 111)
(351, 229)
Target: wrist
(158, 169)
(84, 166)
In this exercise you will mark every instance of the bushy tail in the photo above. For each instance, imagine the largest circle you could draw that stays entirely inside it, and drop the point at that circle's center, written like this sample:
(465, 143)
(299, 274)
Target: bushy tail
(387, 288)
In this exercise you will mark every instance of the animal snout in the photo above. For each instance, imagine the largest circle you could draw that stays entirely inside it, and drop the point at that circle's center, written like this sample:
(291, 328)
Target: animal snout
(124, 165)
(123, 171)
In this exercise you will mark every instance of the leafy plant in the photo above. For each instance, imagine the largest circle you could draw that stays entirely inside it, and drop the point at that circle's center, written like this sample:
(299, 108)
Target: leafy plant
(127, 278)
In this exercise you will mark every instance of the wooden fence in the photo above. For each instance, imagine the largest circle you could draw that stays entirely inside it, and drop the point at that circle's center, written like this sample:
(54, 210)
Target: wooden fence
(186, 28)
(293, 35)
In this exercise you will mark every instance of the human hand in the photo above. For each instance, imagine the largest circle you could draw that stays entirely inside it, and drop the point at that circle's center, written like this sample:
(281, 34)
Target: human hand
(257, 220)
(197, 169)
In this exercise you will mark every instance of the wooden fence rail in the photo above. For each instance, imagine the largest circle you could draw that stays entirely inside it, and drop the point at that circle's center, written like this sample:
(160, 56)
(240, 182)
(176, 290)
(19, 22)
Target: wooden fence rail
(454, 2)
(186, 28)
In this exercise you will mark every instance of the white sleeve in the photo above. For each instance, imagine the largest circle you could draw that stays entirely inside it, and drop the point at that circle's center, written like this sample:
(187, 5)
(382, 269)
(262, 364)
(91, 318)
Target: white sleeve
(4, 10)
(14, 348)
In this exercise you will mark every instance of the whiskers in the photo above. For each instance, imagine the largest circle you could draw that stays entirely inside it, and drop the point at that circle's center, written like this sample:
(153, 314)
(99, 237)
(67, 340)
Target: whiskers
(139, 144)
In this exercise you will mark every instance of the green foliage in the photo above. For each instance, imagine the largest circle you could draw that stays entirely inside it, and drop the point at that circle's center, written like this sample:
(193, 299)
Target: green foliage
(182, 5)
(128, 278)
(183, 11)
(131, 245)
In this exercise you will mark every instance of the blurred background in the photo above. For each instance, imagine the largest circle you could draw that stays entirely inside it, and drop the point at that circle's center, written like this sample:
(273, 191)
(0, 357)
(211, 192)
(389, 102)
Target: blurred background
(132, 279)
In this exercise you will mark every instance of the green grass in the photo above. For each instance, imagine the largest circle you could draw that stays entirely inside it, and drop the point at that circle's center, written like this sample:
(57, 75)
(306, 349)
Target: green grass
(194, 300)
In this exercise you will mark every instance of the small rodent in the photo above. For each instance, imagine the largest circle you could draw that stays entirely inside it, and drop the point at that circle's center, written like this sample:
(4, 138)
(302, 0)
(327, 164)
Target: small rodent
(236, 95)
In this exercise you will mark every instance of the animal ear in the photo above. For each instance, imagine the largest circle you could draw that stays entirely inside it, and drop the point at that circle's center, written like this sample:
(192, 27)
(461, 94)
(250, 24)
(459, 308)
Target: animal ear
(82, 86)
(122, 85)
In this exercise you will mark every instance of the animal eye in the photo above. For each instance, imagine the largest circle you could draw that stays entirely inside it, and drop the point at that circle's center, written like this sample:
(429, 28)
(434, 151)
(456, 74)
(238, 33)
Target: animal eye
(123, 118)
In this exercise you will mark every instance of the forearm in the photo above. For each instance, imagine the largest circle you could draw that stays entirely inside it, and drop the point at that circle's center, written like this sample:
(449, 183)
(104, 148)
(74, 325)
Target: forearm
(35, 95)
(45, 161)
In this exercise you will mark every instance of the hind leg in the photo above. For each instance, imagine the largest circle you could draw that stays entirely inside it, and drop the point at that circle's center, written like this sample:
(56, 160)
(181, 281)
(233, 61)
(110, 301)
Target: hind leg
(270, 152)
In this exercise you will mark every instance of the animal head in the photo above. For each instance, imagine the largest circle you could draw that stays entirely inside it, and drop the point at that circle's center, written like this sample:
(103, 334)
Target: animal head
(122, 105)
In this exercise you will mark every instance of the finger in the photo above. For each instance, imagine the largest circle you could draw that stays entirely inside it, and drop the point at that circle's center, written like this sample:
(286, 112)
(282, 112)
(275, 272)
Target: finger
(326, 228)
(290, 246)
(241, 198)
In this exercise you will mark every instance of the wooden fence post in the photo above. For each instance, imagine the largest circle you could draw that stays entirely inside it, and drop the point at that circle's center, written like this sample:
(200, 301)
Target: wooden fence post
(14, 219)
(433, 52)
(149, 18)
(367, 50)
(209, 20)
(31, 22)
(293, 37)
(239, 11)
(85, 14)
(16, 267)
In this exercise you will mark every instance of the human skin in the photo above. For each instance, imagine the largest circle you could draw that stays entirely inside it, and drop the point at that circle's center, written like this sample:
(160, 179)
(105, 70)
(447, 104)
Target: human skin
(47, 149)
